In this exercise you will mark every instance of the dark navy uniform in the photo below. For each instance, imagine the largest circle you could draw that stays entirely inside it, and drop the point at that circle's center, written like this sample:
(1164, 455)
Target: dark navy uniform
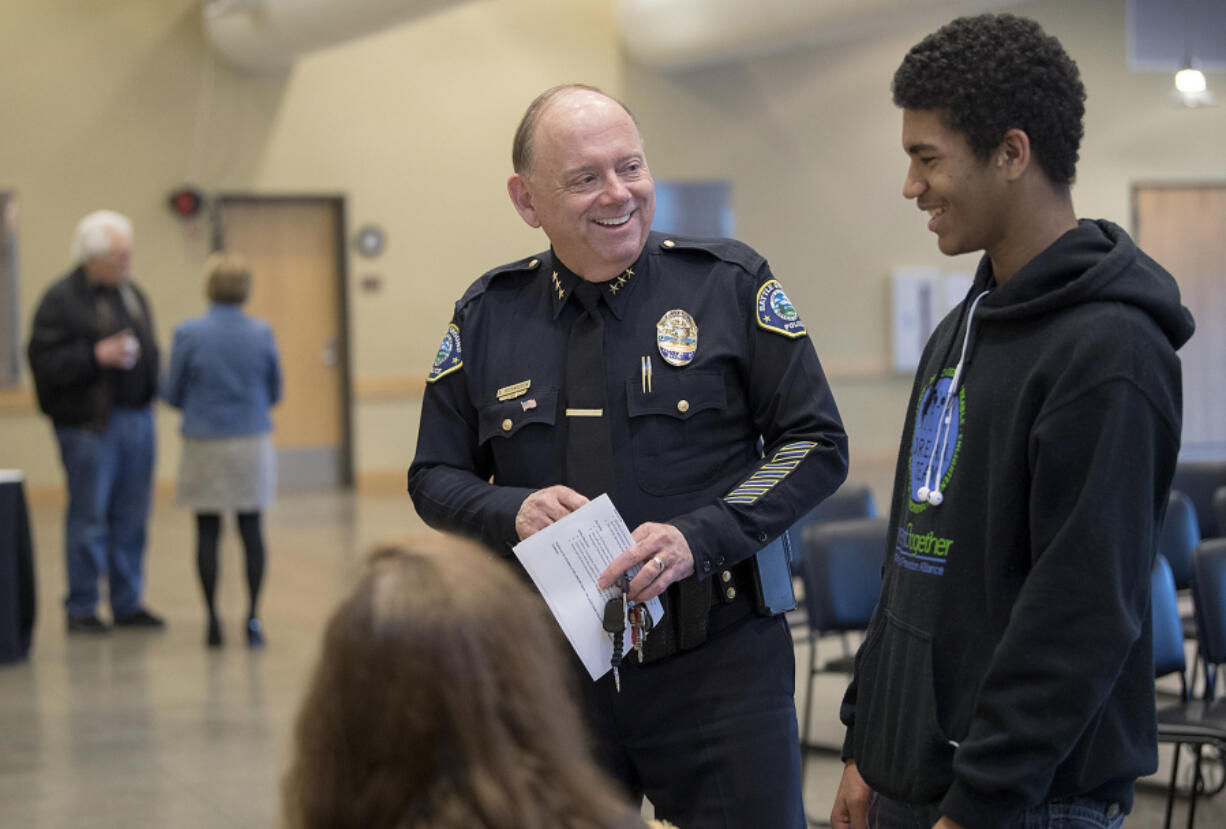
(707, 731)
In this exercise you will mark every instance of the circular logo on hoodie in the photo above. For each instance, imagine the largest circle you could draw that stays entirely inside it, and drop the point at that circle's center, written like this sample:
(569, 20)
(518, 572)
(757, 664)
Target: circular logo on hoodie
(936, 439)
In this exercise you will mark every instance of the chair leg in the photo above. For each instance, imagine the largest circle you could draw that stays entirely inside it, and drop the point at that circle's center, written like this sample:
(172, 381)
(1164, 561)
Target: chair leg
(1170, 789)
(1196, 787)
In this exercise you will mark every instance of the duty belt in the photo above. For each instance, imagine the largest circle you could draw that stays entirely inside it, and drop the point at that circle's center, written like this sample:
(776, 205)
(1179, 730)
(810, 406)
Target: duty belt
(695, 609)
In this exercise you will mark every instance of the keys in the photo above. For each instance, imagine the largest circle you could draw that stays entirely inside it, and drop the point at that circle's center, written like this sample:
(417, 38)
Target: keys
(615, 623)
(640, 626)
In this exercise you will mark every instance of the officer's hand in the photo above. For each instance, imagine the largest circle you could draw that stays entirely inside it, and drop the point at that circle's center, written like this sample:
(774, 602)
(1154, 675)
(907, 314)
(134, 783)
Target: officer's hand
(946, 823)
(664, 554)
(850, 810)
(545, 506)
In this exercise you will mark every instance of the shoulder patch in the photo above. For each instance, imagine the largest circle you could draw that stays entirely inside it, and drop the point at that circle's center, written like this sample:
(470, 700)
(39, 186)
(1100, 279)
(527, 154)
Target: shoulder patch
(775, 311)
(449, 357)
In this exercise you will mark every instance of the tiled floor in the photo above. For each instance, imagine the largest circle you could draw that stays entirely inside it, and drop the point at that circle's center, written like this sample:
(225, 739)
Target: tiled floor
(139, 730)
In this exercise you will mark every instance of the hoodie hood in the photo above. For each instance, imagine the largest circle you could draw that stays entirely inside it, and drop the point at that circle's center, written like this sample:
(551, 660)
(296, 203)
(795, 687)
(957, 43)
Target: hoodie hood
(1095, 262)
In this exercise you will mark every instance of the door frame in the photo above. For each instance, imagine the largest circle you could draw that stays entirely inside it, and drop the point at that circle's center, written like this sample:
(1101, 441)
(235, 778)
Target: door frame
(216, 242)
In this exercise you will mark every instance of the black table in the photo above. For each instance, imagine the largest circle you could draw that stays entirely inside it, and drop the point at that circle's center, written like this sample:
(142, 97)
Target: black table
(17, 598)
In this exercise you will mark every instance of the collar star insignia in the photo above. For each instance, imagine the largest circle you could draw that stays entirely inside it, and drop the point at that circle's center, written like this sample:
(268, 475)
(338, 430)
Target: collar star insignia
(558, 285)
(617, 284)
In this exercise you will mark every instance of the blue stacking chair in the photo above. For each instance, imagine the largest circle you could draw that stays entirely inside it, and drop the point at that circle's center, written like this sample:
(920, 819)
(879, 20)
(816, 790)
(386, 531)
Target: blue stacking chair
(1219, 506)
(1199, 480)
(842, 579)
(1169, 655)
(1196, 722)
(1179, 537)
(850, 501)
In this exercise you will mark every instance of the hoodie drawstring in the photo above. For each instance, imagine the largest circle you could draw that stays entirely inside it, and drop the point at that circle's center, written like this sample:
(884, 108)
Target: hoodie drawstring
(933, 496)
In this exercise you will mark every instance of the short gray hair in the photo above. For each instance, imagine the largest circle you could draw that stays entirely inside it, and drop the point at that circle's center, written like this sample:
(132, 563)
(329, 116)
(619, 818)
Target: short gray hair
(91, 238)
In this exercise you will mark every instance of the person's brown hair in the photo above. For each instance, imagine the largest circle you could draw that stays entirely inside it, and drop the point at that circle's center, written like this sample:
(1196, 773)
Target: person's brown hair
(227, 278)
(440, 700)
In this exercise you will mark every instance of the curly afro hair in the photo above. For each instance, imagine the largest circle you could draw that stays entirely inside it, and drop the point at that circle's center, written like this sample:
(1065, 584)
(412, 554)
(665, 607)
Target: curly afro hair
(990, 73)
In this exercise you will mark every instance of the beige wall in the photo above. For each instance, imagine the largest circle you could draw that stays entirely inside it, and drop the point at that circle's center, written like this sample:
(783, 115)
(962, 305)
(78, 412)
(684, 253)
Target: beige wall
(114, 104)
(101, 105)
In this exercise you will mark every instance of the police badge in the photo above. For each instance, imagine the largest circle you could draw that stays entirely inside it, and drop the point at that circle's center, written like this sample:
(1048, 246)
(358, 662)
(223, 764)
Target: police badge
(677, 337)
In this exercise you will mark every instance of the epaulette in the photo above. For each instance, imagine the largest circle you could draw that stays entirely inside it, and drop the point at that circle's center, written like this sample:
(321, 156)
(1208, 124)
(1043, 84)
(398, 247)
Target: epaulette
(728, 250)
(527, 265)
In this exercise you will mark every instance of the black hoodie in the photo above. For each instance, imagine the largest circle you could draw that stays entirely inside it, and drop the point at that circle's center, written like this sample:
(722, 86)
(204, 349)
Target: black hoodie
(1009, 659)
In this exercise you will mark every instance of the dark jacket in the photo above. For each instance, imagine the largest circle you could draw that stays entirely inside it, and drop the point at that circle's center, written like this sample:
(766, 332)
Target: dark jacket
(1009, 660)
(224, 374)
(686, 445)
(73, 390)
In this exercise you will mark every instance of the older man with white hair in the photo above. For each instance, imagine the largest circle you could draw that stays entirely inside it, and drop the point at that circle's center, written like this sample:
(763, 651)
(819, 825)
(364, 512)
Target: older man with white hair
(95, 365)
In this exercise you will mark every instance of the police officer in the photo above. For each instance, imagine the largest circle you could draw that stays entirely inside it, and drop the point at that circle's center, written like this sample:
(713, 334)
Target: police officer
(675, 375)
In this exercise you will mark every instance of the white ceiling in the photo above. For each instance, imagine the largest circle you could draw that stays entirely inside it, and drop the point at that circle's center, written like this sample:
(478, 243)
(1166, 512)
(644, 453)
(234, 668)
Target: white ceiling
(267, 35)
(681, 34)
(263, 35)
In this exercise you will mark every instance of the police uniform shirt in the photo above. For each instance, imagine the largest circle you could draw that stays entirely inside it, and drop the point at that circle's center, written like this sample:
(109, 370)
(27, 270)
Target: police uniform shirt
(686, 450)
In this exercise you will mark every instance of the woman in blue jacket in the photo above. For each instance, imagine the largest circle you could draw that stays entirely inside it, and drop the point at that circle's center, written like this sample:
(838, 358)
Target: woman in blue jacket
(225, 375)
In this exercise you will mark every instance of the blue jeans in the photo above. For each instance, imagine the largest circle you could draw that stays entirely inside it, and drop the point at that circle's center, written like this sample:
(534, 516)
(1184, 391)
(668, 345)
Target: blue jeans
(1064, 813)
(110, 481)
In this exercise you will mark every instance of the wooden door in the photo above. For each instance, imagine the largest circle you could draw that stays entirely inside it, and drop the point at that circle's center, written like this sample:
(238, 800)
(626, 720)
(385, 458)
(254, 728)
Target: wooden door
(1182, 227)
(295, 249)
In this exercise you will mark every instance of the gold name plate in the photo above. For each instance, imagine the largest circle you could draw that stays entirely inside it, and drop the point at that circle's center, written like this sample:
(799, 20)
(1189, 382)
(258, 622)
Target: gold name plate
(585, 412)
(513, 391)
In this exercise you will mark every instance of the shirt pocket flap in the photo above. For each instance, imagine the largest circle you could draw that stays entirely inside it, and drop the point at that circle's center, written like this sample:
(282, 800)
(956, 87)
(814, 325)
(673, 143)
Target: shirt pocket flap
(680, 395)
(503, 419)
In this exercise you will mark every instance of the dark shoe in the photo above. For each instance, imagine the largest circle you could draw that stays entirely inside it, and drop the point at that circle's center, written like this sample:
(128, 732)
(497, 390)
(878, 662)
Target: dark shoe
(87, 624)
(139, 619)
(255, 634)
(214, 639)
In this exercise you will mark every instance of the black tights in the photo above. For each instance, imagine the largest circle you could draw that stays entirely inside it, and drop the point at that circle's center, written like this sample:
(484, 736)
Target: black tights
(208, 529)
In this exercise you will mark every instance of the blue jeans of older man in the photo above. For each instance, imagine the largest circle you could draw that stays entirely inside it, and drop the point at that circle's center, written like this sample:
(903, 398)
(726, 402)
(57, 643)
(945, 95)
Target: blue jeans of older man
(110, 481)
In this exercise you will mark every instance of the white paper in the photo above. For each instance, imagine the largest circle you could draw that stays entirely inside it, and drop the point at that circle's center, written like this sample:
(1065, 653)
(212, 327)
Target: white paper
(565, 561)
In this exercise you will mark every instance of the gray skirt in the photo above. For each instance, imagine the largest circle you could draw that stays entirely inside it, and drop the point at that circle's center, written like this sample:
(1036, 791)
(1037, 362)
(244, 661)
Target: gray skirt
(227, 474)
